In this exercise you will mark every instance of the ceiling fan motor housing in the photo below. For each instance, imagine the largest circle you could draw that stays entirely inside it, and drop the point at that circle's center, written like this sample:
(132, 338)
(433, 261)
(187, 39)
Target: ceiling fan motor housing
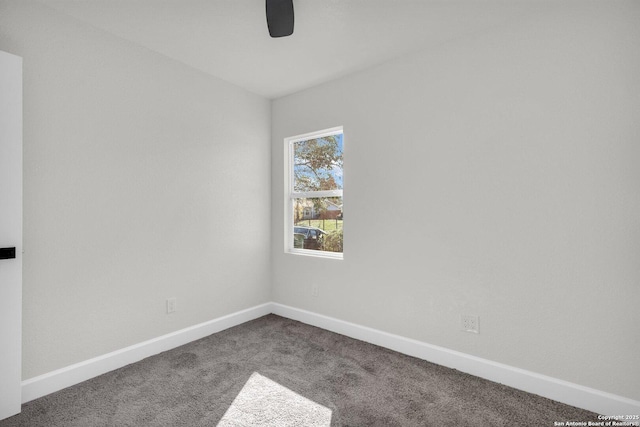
(280, 17)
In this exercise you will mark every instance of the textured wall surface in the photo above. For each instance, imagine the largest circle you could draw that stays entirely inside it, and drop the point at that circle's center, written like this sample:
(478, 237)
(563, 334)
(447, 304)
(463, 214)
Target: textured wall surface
(143, 180)
(496, 176)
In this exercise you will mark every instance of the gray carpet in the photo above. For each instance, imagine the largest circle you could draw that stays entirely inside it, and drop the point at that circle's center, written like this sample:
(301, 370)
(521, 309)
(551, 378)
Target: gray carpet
(359, 383)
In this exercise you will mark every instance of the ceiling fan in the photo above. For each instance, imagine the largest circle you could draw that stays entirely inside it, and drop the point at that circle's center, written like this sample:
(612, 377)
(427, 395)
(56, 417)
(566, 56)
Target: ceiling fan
(280, 17)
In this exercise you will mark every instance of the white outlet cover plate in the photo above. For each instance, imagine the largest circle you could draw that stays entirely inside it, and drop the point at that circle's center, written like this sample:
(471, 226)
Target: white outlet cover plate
(171, 305)
(470, 323)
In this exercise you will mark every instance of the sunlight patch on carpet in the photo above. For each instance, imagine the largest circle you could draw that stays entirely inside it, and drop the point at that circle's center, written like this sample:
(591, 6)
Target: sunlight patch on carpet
(264, 402)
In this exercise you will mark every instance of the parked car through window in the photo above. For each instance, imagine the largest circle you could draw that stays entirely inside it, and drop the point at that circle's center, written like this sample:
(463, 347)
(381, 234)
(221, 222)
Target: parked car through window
(308, 237)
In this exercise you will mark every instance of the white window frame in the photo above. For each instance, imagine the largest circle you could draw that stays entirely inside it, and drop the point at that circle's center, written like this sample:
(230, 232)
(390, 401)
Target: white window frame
(290, 195)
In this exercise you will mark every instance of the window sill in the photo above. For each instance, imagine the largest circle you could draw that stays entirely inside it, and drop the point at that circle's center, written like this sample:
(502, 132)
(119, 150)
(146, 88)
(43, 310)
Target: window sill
(316, 254)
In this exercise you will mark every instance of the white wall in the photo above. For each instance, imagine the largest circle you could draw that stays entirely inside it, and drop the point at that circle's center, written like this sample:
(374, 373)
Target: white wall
(143, 179)
(497, 175)
(494, 176)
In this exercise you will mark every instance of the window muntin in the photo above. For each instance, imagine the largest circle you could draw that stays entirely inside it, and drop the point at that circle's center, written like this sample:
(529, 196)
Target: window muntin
(314, 199)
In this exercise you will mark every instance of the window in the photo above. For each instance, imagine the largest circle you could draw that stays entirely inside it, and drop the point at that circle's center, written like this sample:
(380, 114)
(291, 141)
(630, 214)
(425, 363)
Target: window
(313, 194)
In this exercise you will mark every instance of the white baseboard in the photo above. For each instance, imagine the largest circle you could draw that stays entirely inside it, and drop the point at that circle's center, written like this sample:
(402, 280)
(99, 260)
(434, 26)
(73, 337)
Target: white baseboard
(61, 378)
(531, 382)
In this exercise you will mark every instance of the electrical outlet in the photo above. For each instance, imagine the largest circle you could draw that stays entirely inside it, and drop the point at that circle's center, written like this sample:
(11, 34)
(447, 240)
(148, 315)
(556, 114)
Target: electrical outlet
(314, 290)
(470, 323)
(171, 305)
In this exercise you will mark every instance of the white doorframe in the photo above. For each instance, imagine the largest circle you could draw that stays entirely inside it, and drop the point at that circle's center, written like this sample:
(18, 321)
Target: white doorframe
(10, 234)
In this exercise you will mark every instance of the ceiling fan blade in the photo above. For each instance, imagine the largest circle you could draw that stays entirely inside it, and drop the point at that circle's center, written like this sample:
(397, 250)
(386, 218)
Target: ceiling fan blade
(280, 17)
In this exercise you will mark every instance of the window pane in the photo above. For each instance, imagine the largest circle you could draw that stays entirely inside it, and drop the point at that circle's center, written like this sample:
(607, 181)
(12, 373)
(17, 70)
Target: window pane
(317, 164)
(318, 223)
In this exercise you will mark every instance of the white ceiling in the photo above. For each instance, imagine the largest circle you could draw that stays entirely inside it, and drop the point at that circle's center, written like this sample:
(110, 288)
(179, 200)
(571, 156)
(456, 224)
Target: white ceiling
(332, 38)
